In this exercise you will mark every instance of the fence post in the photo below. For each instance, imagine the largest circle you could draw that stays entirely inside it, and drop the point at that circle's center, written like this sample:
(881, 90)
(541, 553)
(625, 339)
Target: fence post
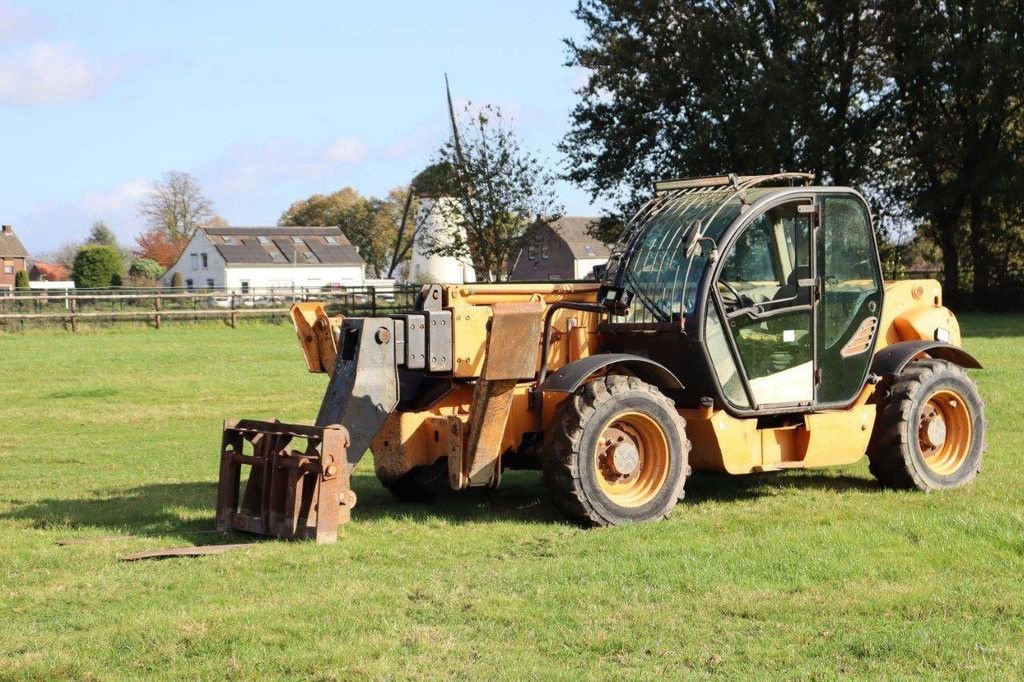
(74, 316)
(373, 301)
(156, 317)
(234, 315)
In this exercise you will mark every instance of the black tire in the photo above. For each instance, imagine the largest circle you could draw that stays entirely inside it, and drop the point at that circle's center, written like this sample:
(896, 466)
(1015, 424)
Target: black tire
(419, 484)
(898, 452)
(571, 461)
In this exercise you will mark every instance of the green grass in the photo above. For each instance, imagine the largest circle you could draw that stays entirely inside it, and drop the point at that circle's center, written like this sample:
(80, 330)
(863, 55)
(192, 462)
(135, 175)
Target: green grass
(795, 574)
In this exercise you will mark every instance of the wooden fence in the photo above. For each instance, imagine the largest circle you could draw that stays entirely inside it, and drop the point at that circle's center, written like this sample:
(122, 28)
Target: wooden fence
(70, 309)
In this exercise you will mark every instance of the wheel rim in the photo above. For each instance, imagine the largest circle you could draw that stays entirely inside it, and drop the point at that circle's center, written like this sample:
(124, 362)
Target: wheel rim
(944, 432)
(631, 459)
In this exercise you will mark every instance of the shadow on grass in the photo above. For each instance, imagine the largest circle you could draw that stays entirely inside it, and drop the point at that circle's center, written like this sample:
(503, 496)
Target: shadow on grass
(707, 487)
(187, 509)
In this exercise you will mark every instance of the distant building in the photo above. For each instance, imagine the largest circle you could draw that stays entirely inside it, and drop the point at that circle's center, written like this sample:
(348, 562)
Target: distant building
(49, 272)
(12, 257)
(562, 250)
(434, 222)
(245, 259)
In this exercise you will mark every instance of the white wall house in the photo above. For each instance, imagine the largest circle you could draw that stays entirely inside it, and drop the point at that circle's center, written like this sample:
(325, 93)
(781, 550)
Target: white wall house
(244, 259)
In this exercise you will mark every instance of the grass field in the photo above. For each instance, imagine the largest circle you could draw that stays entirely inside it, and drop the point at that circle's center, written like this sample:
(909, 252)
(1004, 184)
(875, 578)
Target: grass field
(793, 574)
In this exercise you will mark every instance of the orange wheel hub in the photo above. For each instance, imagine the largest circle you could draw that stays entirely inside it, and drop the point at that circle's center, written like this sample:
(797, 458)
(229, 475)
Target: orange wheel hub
(944, 432)
(632, 459)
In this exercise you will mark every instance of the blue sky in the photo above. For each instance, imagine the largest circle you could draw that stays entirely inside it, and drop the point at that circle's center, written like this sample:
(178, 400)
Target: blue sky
(265, 102)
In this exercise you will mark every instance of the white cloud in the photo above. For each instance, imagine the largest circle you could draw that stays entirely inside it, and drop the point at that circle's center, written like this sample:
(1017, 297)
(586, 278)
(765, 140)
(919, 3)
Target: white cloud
(116, 199)
(50, 73)
(249, 167)
(346, 150)
(18, 23)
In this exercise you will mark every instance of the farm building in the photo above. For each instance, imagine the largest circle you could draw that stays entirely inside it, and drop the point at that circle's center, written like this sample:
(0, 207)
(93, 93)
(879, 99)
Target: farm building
(247, 259)
(562, 250)
(49, 272)
(12, 257)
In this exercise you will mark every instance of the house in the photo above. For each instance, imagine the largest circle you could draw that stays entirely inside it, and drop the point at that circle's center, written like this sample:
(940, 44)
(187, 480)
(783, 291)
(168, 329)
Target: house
(247, 259)
(12, 257)
(49, 272)
(561, 250)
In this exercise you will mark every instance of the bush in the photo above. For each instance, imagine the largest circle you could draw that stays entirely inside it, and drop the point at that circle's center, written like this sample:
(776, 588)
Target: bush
(21, 279)
(145, 269)
(97, 266)
(178, 280)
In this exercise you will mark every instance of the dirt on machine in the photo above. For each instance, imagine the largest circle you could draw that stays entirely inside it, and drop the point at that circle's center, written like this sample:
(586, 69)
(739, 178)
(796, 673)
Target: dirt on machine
(742, 325)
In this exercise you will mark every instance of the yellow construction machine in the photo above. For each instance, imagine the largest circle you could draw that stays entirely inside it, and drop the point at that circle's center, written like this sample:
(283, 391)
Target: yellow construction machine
(742, 325)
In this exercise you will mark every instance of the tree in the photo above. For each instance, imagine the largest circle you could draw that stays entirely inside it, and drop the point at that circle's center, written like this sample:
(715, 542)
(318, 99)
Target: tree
(155, 245)
(958, 70)
(370, 224)
(495, 193)
(705, 87)
(21, 279)
(101, 235)
(178, 280)
(97, 267)
(176, 206)
(62, 255)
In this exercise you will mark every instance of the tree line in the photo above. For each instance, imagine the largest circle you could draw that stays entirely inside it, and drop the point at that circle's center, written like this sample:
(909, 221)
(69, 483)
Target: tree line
(918, 103)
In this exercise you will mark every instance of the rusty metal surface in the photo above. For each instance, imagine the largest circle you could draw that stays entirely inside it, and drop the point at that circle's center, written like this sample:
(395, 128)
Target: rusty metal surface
(492, 401)
(316, 336)
(292, 492)
(177, 552)
(514, 340)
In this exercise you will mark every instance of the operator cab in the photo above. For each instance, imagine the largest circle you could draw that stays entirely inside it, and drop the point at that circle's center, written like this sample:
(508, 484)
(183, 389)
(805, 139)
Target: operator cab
(760, 297)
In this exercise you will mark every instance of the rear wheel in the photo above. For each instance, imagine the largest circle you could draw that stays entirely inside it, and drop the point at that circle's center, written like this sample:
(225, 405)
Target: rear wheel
(616, 452)
(930, 429)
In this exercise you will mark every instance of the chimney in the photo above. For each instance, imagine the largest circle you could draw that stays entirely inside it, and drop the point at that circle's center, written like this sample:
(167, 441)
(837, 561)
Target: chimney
(7, 229)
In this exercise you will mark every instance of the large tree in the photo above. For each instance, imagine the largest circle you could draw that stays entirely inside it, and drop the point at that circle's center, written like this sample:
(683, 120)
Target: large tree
(101, 235)
(176, 205)
(958, 69)
(371, 224)
(155, 245)
(705, 87)
(495, 192)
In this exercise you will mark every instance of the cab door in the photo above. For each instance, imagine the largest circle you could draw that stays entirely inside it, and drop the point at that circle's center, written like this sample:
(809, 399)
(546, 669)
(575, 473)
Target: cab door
(851, 298)
(761, 331)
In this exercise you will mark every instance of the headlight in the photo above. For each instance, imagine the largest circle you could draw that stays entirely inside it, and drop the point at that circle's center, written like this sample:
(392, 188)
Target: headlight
(942, 334)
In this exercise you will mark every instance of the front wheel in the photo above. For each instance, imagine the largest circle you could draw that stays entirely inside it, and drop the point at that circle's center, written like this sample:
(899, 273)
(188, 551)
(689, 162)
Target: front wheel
(616, 452)
(930, 430)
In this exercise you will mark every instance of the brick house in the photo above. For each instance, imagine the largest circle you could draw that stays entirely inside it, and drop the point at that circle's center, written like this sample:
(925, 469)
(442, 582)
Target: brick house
(12, 257)
(562, 250)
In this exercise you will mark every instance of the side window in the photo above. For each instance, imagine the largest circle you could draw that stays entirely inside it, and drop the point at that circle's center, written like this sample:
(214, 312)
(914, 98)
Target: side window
(767, 262)
(850, 300)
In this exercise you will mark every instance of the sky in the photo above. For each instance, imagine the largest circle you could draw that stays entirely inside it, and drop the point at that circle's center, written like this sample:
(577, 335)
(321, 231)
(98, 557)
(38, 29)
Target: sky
(264, 102)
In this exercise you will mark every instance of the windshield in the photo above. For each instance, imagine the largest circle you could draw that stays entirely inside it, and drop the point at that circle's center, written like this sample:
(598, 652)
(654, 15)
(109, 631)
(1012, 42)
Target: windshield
(655, 267)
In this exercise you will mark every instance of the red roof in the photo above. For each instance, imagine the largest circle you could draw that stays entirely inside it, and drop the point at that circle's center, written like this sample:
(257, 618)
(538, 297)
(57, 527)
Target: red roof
(50, 272)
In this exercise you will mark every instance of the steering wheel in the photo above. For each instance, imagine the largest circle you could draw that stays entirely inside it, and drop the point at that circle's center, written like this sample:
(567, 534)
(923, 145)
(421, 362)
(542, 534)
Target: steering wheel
(739, 300)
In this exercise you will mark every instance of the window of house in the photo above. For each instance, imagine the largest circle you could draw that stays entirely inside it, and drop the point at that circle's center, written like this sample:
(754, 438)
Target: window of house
(331, 240)
(245, 286)
(276, 256)
(544, 250)
(310, 257)
(204, 260)
(209, 284)
(296, 240)
(188, 283)
(195, 261)
(263, 240)
(531, 252)
(229, 240)
(8, 269)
